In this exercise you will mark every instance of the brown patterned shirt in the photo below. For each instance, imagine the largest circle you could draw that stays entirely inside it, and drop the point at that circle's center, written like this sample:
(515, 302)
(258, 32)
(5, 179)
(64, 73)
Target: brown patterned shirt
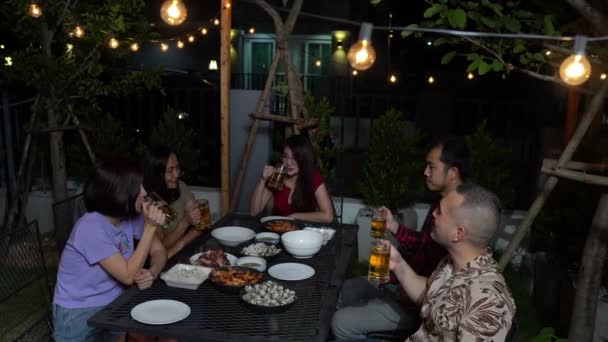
(473, 304)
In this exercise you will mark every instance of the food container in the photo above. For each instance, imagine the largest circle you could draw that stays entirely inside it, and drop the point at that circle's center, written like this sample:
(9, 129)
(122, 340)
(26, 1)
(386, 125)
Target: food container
(232, 236)
(302, 244)
(268, 237)
(269, 308)
(255, 277)
(252, 262)
(186, 276)
(328, 233)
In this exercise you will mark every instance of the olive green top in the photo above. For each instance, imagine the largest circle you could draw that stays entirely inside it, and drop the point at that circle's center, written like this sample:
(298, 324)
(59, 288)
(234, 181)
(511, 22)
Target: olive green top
(179, 205)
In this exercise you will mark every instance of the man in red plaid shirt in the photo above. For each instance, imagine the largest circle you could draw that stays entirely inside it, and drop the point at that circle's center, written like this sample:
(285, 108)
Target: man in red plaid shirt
(363, 308)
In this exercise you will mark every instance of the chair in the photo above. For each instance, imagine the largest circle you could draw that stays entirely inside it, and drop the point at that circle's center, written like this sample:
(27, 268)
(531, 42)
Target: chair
(400, 335)
(25, 289)
(65, 215)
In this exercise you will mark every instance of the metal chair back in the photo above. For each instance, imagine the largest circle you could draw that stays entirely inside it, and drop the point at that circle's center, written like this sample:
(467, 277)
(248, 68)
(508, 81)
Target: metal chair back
(65, 215)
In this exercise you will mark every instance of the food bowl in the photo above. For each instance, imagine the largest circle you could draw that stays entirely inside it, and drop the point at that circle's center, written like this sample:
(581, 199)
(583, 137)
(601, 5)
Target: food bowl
(268, 237)
(186, 276)
(194, 260)
(233, 278)
(232, 236)
(252, 262)
(328, 233)
(281, 226)
(259, 249)
(302, 244)
(283, 297)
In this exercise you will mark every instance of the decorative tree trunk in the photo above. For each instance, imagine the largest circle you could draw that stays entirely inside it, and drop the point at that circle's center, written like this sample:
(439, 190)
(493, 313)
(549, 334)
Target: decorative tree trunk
(590, 276)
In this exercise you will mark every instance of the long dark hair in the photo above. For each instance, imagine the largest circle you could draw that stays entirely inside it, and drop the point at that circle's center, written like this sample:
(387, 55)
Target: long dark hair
(154, 165)
(303, 199)
(112, 188)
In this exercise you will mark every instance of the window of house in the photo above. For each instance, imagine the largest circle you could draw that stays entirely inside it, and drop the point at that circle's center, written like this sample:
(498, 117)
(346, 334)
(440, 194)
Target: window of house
(317, 58)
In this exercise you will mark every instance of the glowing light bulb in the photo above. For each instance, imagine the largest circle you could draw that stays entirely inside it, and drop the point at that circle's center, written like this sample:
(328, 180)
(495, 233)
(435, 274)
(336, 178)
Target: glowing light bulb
(548, 52)
(251, 30)
(191, 38)
(318, 63)
(228, 5)
(362, 55)
(575, 70)
(355, 72)
(164, 47)
(431, 80)
(392, 79)
(173, 12)
(134, 47)
(470, 76)
(204, 31)
(113, 43)
(35, 11)
(603, 76)
(180, 44)
(78, 32)
(216, 21)
(213, 64)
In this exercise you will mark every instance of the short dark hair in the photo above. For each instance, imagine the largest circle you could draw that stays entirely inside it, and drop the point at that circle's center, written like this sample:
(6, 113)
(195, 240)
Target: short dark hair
(154, 166)
(481, 208)
(113, 187)
(454, 153)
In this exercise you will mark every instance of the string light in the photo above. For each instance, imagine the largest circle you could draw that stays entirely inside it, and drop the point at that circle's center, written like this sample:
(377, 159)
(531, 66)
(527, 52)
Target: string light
(134, 47)
(173, 12)
(431, 80)
(213, 64)
(164, 47)
(603, 76)
(392, 79)
(113, 43)
(228, 5)
(35, 11)
(180, 44)
(318, 63)
(204, 31)
(355, 72)
(8, 61)
(362, 55)
(216, 21)
(78, 32)
(470, 76)
(191, 38)
(576, 69)
(251, 30)
(548, 52)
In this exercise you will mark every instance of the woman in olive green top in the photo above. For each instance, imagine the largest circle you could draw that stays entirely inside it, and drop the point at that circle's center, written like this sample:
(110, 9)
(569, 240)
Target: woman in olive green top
(161, 175)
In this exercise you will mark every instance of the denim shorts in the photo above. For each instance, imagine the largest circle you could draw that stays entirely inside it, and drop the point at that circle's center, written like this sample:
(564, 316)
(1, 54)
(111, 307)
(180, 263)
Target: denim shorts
(71, 325)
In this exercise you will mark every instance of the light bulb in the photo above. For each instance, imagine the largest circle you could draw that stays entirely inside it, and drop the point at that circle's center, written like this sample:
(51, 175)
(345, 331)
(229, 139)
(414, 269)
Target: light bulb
(362, 55)
(173, 12)
(180, 44)
(393, 79)
(204, 31)
(164, 47)
(251, 30)
(355, 72)
(318, 63)
(78, 32)
(134, 47)
(191, 38)
(431, 80)
(575, 70)
(213, 64)
(113, 43)
(35, 10)
(603, 76)
(470, 76)
(216, 21)
(228, 5)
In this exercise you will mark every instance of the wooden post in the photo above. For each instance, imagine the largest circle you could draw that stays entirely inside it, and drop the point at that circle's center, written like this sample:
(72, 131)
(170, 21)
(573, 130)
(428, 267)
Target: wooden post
(226, 22)
(571, 115)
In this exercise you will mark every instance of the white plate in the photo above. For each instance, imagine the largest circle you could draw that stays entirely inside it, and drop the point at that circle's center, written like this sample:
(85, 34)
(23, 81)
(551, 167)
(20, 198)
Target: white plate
(160, 311)
(270, 218)
(231, 259)
(291, 271)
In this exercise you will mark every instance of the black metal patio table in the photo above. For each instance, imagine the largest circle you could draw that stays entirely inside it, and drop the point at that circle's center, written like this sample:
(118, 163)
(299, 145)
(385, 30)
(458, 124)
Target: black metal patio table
(221, 316)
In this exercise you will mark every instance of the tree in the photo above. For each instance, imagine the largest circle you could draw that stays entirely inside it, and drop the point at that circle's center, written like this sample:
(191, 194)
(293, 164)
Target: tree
(67, 74)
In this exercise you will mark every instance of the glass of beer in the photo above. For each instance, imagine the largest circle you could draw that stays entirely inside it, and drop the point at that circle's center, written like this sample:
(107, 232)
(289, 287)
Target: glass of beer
(378, 230)
(378, 263)
(163, 206)
(277, 179)
(205, 222)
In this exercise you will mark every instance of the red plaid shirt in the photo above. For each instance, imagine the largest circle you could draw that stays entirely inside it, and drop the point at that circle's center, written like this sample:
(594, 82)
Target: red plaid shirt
(420, 251)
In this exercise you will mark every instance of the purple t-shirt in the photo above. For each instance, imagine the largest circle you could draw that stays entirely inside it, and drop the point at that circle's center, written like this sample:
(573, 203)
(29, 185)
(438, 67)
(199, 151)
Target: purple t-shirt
(81, 281)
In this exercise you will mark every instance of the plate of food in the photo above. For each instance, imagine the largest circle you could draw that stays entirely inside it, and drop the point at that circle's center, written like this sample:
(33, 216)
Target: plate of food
(213, 257)
(186, 276)
(234, 278)
(282, 224)
(268, 297)
(260, 249)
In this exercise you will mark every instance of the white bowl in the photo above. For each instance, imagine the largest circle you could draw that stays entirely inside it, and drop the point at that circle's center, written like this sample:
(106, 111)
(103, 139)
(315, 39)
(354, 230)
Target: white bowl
(186, 276)
(232, 236)
(249, 260)
(302, 244)
(269, 237)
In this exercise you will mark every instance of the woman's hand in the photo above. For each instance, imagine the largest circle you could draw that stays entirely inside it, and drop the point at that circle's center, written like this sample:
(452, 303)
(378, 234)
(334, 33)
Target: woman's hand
(193, 213)
(391, 224)
(267, 172)
(143, 279)
(153, 216)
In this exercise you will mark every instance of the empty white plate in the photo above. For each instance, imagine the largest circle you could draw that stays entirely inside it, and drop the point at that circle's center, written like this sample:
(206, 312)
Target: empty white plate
(291, 271)
(160, 311)
(270, 218)
(194, 259)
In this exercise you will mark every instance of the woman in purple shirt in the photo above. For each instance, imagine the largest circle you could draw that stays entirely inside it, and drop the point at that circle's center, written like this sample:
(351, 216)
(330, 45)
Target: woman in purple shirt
(99, 260)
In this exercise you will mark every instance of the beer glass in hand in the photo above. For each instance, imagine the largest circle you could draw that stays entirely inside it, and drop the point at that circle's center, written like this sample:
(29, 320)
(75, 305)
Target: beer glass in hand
(205, 222)
(277, 179)
(378, 230)
(379, 258)
(170, 214)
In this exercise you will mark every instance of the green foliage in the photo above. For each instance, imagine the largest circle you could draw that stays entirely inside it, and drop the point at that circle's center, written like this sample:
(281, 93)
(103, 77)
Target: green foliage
(175, 134)
(393, 163)
(490, 164)
(547, 334)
